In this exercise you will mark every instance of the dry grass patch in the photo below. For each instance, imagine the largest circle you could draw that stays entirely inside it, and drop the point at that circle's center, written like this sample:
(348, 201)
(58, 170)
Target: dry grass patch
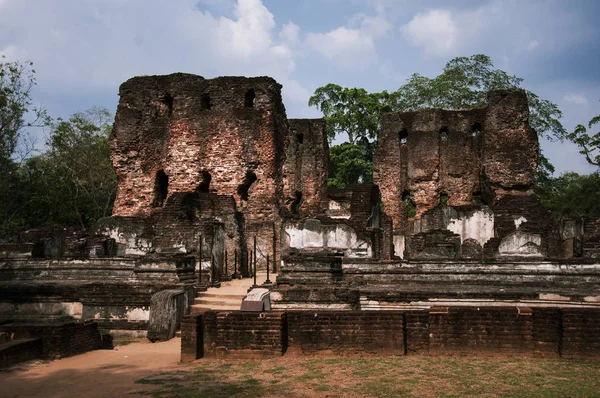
(412, 376)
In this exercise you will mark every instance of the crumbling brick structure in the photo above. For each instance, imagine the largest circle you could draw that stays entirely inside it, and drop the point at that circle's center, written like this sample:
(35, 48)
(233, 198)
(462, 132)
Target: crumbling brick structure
(459, 221)
(471, 161)
(205, 166)
(455, 156)
(305, 167)
(185, 134)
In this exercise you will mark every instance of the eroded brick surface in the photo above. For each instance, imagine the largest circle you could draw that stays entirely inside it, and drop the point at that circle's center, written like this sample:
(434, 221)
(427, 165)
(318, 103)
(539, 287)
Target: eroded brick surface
(305, 168)
(429, 155)
(229, 136)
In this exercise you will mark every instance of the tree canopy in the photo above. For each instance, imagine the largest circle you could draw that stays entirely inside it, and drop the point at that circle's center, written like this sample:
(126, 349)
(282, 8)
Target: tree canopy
(17, 113)
(16, 82)
(77, 177)
(571, 195)
(72, 183)
(589, 145)
(349, 165)
(463, 84)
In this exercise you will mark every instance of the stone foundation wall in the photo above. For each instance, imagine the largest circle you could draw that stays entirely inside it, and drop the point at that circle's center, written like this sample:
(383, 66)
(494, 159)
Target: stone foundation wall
(545, 332)
(115, 292)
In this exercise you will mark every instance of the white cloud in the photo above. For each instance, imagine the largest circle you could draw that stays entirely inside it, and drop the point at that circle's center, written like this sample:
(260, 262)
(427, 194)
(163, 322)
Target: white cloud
(348, 47)
(97, 45)
(577, 99)
(222, 5)
(250, 33)
(435, 31)
(500, 27)
(290, 32)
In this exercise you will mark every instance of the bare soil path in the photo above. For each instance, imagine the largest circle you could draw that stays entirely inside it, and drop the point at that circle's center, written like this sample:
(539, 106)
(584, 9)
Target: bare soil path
(102, 373)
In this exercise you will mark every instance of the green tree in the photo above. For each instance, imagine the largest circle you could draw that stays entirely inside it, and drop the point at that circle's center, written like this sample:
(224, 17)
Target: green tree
(73, 183)
(589, 145)
(463, 84)
(572, 195)
(80, 151)
(353, 111)
(16, 82)
(349, 165)
(543, 179)
(17, 114)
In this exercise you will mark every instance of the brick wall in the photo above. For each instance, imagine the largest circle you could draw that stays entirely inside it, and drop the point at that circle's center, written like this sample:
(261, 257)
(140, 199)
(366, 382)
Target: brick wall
(580, 333)
(251, 333)
(591, 240)
(352, 332)
(439, 156)
(192, 329)
(476, 330)
(233, 334)
(546, 332)
(59, 340)
(305, 167)
(540, 332)
(182, 134)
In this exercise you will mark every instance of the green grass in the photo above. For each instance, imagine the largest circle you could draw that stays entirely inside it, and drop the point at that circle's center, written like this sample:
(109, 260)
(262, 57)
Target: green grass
(410, 376)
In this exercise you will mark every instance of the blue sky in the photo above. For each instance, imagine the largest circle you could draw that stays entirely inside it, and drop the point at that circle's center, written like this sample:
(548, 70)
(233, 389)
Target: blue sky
(84, 49)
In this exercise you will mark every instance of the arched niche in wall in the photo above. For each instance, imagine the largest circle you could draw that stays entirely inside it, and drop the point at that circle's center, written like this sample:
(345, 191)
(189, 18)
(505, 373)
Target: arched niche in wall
(161, 188)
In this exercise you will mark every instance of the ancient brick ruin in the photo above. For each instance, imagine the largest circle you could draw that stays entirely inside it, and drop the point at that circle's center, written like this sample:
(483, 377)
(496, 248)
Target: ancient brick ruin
(207, 167)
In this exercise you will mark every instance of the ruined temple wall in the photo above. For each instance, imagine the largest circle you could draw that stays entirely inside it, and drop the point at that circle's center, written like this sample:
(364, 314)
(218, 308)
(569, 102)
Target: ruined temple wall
(305, 168)
(510, 146)
(424, 155)
(429, 154)
(190, 127)
(225, 135)
(389, 168)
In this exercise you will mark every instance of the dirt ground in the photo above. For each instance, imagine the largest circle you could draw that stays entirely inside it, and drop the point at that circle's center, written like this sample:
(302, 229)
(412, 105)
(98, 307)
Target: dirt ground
(102, 373)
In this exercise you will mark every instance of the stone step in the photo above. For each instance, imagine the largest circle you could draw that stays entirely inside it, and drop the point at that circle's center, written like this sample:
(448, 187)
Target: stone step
(228, 297)
(196, 308)
(218, 301)
(207, 295)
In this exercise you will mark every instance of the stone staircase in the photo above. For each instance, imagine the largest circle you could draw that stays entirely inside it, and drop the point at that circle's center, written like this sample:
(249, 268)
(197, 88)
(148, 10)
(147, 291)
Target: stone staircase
(229, 296)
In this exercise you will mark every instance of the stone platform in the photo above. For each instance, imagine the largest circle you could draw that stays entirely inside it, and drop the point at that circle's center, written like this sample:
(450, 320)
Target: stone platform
(321, 282)
(116, 292)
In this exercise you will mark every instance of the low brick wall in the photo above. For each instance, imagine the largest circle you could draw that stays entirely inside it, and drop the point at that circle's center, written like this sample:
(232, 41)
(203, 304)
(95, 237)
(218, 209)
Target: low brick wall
(192, 337)
(59, 339)
(233, 334)
(474, 330)
(250, 334)
(580, 333)
(522, 331)
(352, 332)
